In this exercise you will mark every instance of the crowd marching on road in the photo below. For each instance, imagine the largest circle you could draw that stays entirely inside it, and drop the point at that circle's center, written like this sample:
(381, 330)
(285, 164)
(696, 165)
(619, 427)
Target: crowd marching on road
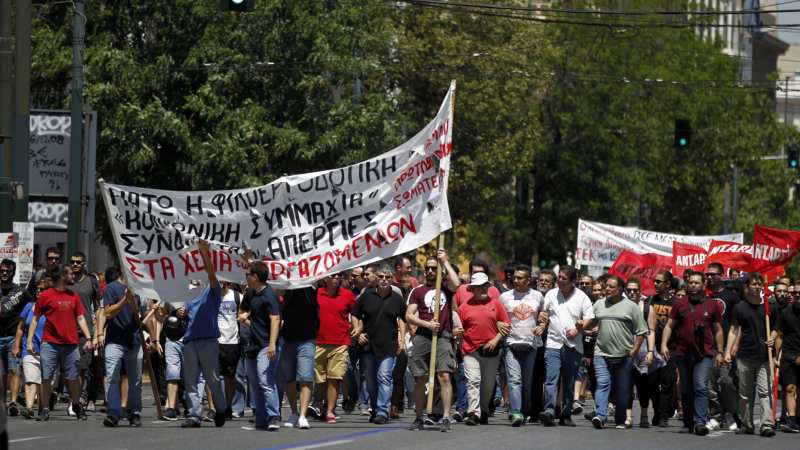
(529, 348)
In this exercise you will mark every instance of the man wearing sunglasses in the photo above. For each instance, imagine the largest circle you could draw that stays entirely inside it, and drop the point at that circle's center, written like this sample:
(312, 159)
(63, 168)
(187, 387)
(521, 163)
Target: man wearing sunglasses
(12, 302)
(380, 314)
(665, 377)
(88, 289)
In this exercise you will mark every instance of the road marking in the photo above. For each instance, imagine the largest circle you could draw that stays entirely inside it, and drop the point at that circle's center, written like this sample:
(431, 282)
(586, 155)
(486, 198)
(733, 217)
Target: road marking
(334, 440)
(326, 444)
(33, 438)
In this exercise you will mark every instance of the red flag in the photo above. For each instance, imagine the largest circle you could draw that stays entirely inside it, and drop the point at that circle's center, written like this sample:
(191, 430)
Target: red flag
(732, 255)
(773, 247)
(687, 256)
(643, 266)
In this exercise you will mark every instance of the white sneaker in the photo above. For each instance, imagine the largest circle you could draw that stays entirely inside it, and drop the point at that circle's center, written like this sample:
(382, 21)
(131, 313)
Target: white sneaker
(70, 412)
(291, 423)
(713, 425)
(733, 427)
(302, 423)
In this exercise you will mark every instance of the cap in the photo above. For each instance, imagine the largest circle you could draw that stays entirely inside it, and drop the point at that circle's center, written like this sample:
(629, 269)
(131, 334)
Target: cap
(479, 279)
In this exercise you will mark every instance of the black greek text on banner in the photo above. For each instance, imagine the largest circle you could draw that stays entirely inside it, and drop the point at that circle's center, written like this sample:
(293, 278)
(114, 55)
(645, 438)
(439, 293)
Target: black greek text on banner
(303, 226)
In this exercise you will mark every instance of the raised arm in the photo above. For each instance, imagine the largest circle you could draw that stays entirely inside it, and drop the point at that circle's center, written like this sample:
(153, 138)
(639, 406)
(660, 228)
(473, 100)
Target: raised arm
(206, 255)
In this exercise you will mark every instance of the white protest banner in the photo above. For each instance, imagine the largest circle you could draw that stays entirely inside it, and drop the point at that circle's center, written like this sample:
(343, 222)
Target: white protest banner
(304, 226)
(599, 244)
(24, 232)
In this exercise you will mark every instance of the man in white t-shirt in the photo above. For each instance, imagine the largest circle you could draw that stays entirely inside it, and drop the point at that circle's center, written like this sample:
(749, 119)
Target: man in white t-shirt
(524, 306)
(229, 351)
(568, 310)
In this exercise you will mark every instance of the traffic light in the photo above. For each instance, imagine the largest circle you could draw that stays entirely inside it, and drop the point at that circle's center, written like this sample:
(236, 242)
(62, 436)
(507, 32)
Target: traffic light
(683, 133)
(237, 5)
(792, 157)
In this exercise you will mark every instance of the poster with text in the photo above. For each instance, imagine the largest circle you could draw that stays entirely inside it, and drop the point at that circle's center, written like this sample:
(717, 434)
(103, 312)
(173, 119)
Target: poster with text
(303, 226)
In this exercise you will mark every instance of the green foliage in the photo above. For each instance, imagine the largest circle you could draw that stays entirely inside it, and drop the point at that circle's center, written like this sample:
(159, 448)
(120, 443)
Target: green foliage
(547, 130)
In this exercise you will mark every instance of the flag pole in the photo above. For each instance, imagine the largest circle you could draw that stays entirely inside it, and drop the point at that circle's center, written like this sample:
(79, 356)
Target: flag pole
(145, 351)
(435, 336)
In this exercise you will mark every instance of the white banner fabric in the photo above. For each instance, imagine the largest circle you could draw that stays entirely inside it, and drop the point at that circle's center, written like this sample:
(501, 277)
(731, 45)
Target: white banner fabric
(304, 226)
(599, 244)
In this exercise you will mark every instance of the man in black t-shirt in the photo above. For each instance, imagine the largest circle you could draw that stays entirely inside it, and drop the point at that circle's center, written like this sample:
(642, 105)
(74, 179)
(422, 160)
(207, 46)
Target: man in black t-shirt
(787, 332)
(722, 397)
(12, 302)
(658, 315)
(262, 314)
(300, 324)
(380, 313)
(748, 343)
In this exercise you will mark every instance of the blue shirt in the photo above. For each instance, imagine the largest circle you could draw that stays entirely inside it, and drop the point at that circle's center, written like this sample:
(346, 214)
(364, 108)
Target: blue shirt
(122, 328)
(27, 315)
(202, 314)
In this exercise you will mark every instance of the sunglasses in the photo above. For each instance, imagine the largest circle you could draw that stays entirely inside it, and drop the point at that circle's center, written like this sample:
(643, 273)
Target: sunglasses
(76, 262)
(631, 290)
(712, 274)
(54, 258)
(383, 277)
(6, 271)
(430, 269)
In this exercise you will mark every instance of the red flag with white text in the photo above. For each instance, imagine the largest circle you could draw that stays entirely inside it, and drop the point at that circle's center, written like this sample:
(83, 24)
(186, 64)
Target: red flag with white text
(645, 267)
(687, 256)
(773, 247)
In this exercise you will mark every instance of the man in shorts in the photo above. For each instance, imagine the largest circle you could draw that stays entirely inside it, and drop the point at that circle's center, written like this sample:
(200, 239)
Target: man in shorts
(299, 331)
(419, 313)
(333, 338)
(64, 312)
(31, 362)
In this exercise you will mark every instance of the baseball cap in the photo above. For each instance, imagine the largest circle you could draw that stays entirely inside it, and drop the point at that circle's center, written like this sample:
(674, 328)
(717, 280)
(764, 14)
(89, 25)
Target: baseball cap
(479, 279)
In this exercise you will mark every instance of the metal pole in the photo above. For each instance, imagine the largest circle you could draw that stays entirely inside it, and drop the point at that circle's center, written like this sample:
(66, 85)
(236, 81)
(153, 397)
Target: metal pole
(76, 131)
(22, 105)
(6, 112)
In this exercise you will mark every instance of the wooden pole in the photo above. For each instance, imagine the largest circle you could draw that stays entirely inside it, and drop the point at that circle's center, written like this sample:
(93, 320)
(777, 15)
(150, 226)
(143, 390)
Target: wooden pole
(435, 336)
(145, 351)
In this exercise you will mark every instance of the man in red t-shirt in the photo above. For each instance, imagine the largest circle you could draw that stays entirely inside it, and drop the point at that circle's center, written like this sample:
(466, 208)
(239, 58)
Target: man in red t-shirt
(333, 339)
(481, 317)
(699, 342)
(64, 312)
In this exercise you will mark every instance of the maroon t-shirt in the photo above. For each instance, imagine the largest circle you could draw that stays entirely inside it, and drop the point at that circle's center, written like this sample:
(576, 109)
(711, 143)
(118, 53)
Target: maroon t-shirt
(687, 317)
(423, 296)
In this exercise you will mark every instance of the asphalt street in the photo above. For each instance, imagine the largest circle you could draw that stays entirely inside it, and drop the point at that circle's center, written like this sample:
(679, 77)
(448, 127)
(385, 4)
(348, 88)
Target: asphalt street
(354, 432)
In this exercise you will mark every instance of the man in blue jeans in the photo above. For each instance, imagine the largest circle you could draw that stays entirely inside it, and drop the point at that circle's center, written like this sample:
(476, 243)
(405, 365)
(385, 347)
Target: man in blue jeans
(201, 348)
(117, 329)
(381, 314)
(699, 344)
(568, 310)
(261, 312)
(524, 306)
(622, 330)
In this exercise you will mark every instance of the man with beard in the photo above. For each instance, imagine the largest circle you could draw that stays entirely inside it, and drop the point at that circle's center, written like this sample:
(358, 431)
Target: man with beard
(88, 289)
(748, 343)
(381, 314)
(699, 346)
(420, 312)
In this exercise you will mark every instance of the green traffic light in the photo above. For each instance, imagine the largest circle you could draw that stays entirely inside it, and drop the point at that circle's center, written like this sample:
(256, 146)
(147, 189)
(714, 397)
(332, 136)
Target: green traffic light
(793, 163)
(682, 142)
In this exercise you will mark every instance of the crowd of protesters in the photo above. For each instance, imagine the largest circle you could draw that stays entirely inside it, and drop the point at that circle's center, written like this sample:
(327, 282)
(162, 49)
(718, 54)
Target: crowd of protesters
(529, 348)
